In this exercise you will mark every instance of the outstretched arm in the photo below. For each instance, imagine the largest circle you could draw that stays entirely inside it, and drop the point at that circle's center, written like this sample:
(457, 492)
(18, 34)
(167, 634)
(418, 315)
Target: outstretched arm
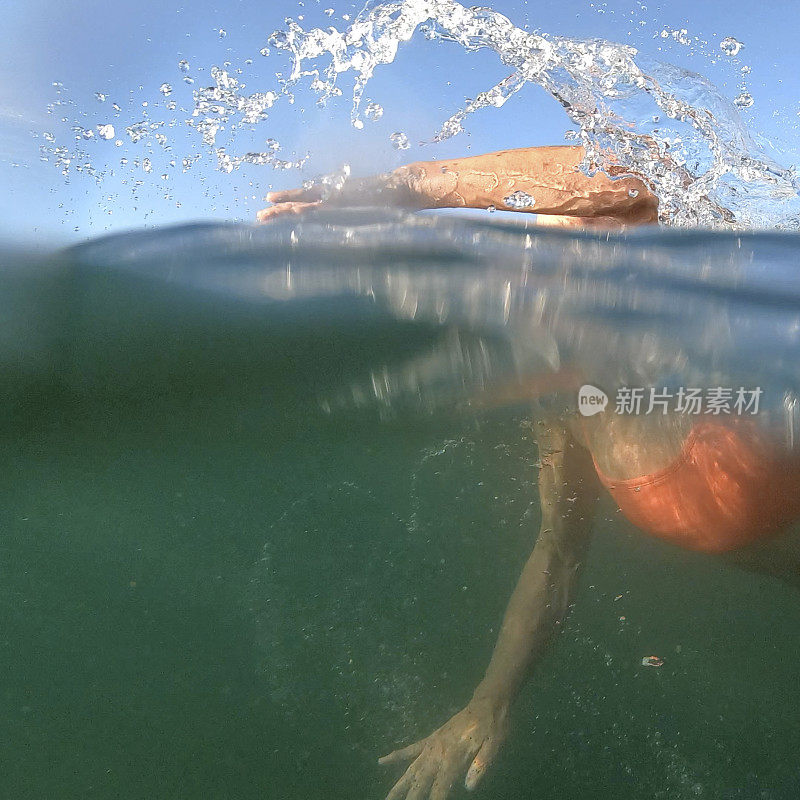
(470, 740)
(540, 180)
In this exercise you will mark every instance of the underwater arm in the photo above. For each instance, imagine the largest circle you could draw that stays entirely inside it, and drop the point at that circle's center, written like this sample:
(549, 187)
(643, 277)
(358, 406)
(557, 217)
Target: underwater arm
(471, 739)
(567, 492)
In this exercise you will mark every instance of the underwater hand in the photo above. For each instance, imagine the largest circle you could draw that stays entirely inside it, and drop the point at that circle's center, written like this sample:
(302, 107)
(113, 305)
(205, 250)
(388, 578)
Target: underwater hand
(473, 735)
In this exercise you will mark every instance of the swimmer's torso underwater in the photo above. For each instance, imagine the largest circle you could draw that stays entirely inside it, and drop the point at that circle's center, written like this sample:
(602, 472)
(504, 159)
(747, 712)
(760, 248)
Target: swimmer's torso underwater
(367, 502)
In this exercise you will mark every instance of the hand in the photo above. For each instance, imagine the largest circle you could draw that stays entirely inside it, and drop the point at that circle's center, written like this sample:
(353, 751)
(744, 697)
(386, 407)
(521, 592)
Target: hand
(291, 201)
(473, 735)
(393, 189)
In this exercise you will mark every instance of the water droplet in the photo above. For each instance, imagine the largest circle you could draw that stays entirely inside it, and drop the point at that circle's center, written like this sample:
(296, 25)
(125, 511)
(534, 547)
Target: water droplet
(101, 98)
(165, 89)
(328, 12)
(519, 200)
(222, 33)
(138, 131)
(147, 165)
(183, 65)
(633, 192)
(105, 131)
(730, 46)
(400, 141)
(373, 111)
(744, 100)
(264, 51)
(279, 39)
(188, 80)
(116, 107)
(491, 209)
(358, 124)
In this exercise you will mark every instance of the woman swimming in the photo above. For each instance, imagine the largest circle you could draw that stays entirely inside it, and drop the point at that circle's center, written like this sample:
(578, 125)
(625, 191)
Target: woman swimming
(710, 483)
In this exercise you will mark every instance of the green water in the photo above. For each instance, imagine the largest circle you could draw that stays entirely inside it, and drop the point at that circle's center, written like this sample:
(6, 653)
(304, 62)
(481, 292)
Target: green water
(225, 594)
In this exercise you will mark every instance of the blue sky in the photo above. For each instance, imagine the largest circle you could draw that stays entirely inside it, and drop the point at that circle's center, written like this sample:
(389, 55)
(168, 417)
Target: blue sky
(126, 51)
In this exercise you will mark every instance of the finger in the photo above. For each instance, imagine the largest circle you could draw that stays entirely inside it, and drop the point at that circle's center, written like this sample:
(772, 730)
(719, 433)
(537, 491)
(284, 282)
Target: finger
(481, 761)
(412, 751)
(421, 782)
(284, 209)
(443, 783)
(277, 211)
(295, 195)
(403, 785)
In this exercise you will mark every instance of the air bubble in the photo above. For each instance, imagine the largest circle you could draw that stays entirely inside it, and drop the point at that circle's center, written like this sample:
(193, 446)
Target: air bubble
(744, 100)
(183, 65)
(165, 89)
(105, 131)
(633, 192)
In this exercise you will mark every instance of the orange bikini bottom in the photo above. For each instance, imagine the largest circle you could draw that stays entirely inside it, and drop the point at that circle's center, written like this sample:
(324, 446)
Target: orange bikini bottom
(726, 489)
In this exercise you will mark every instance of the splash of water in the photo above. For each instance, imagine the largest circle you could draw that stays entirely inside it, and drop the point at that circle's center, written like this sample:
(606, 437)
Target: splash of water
(670, 127)
(702, 163)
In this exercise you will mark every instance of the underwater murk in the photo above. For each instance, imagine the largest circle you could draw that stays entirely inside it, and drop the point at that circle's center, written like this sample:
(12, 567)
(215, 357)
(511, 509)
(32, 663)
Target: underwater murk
(268, 489)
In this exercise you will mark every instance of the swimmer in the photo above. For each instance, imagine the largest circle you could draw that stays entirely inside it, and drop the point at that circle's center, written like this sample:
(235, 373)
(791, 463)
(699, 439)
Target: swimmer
(716, 485)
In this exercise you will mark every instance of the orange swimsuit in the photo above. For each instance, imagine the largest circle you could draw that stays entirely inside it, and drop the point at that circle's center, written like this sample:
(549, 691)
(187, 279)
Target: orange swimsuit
(726, 489)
